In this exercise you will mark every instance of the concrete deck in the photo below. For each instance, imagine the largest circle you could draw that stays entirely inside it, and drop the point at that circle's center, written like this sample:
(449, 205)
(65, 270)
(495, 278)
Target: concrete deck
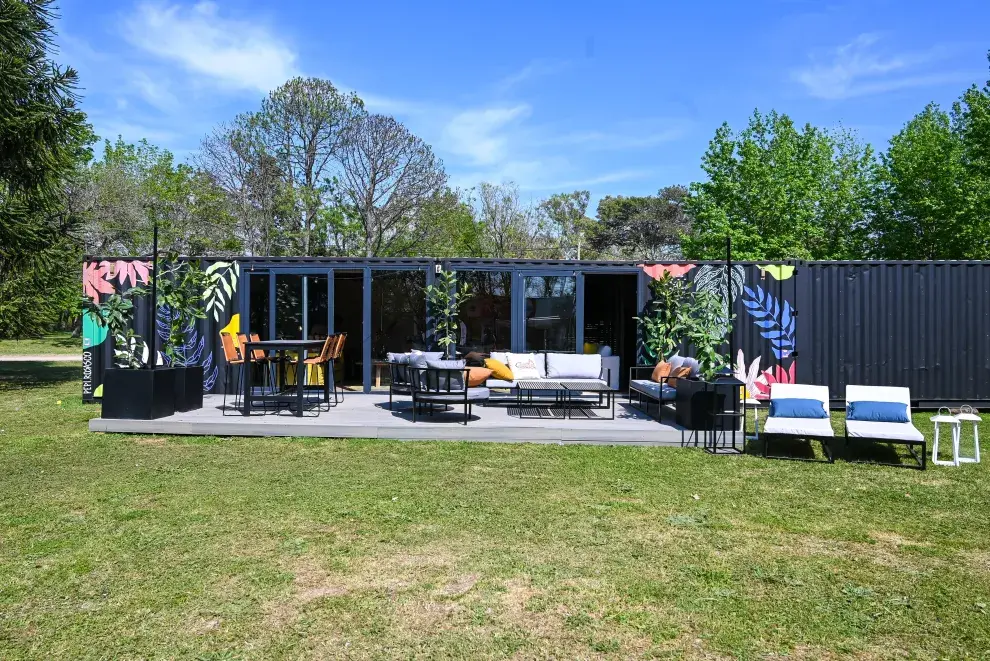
(367, 416)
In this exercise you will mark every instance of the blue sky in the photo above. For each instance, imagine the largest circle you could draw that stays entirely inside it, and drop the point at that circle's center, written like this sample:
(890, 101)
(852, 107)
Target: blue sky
(616, 98)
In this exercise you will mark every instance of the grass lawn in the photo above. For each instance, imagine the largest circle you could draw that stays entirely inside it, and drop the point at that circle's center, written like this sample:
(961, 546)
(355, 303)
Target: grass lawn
(117, 546)
(62, 344)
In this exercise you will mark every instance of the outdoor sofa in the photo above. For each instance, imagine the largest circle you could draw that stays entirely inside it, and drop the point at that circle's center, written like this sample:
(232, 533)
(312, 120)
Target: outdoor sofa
(575, 368)
(646, 390)
(429, 379)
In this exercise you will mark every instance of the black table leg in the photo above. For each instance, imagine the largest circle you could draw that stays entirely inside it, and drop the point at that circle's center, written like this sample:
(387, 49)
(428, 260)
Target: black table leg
(300, 380)
(246, 378)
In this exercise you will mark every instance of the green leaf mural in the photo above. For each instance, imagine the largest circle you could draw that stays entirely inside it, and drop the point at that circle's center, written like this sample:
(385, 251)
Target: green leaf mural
(93, 333)
(223, 278)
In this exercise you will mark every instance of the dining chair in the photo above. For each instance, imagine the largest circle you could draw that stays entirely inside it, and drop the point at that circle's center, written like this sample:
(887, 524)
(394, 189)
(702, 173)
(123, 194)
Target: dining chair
(261, 357)
(320, 360)
(232, 358)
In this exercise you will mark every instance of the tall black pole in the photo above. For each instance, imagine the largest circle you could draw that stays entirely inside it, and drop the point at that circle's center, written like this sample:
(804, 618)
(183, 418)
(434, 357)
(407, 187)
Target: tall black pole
(728, 299)
(153, 310)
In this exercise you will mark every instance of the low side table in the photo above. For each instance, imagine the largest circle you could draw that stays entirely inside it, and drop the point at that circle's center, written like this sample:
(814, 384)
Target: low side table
(579, 388)
(528, 387)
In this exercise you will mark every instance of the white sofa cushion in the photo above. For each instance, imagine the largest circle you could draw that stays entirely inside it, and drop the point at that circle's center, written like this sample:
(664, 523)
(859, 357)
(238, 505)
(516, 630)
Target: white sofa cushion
(799, 426)
(527, 366)
(893, 431)
(574, 366)
(499, 383)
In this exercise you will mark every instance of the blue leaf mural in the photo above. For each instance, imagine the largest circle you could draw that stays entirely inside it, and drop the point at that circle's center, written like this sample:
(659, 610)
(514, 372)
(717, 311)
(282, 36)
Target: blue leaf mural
(777, 320)
(191, 350)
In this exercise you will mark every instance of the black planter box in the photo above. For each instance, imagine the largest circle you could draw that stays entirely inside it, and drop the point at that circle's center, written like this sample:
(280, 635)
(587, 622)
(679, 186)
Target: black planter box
(188, 388)
(140, 394)
(695, 404)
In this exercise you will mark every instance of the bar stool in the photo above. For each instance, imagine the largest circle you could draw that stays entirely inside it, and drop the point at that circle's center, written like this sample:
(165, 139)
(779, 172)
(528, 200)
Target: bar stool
(969, 414)
(944, 417)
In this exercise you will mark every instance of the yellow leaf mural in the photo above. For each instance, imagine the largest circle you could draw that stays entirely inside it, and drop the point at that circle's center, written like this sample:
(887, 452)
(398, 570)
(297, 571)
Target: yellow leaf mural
(778, 271)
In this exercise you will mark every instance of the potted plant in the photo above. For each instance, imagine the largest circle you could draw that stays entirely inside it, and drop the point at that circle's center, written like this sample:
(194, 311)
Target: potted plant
(442, 299)
(180, 305)
(702, 316)
(130, 391)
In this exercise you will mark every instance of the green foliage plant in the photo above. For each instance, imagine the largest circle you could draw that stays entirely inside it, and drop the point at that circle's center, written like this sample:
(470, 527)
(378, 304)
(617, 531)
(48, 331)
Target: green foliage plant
(679, 315)
(442, 300)
(180, 289)
(116, 313)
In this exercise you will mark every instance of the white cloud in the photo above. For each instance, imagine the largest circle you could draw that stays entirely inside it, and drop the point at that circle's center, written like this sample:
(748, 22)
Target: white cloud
(854, 69)
(238, 54)
(479, 134)
(533, 70)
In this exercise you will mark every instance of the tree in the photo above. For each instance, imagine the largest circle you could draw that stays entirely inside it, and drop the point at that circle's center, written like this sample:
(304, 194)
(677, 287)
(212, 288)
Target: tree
(449, 227)
(303, 125)
(781, 193)
(648, 228)
(971, 120)
(921, 199)
(44, 140)
(933, 198)
(563, 224)
(258, 197)
(506, 227)
(135, 186)
(388, 176)
(42, 135)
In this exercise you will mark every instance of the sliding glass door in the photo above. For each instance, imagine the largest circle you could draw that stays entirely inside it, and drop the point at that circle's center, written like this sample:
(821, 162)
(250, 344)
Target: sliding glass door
(288, 304)
(547, 311)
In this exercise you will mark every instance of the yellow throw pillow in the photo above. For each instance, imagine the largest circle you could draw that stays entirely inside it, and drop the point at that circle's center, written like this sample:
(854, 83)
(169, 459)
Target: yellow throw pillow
(477, 376)
(499, 369)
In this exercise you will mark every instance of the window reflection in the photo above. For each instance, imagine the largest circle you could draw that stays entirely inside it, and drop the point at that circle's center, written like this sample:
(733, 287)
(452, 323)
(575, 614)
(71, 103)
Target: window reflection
(486, 315)
(551, 304)
(398, 312)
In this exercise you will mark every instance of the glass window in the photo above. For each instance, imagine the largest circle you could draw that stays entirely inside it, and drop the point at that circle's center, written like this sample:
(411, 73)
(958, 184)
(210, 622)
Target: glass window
(288, 307)
(318, 302)
(551, 313)
(258, 306)
(398, 312)
(486, 315)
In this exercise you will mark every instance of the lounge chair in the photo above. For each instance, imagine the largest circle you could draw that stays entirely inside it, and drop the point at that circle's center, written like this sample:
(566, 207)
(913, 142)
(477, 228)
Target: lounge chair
(778, 427)
(875, 431)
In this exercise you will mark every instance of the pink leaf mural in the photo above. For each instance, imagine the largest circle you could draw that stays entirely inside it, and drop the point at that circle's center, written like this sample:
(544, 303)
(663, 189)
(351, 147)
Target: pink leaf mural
(128, 270)
(777, 374)
(656, 271)
(94, 280)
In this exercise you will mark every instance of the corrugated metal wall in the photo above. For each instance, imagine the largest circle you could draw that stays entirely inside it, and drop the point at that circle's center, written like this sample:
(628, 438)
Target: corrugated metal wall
(925, 326)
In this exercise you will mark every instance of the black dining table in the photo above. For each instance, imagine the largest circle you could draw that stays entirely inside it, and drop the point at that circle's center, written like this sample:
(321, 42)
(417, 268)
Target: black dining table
(280, 346)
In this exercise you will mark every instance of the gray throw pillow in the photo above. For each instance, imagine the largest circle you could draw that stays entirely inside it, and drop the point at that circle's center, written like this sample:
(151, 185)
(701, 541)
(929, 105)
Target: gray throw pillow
(419, 358)
(444, 381)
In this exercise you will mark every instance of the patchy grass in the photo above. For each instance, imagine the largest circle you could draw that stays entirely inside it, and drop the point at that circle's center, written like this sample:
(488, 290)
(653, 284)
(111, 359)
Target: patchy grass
(117, 546)
(62, 344)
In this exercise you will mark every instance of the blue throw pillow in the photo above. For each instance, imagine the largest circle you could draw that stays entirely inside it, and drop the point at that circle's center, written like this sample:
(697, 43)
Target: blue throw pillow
(796, 407)
(878, 412)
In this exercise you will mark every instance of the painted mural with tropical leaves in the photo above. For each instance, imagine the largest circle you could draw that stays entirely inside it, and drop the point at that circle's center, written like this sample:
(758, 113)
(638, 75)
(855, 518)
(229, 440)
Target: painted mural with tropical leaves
(765, 321)
(223, 277)
(101, 279)
(192, 351)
